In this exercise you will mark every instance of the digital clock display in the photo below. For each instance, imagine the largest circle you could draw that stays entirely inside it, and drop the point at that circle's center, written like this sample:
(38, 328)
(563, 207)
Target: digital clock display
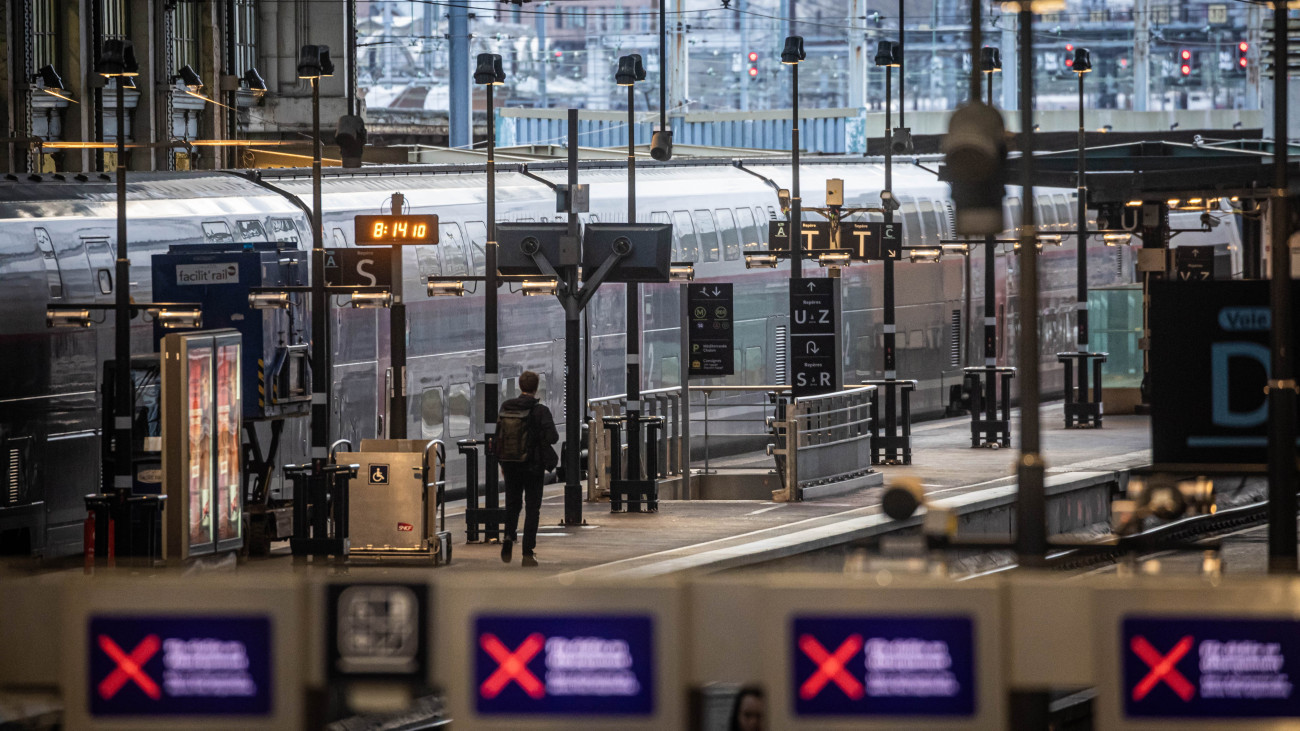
(396, 230)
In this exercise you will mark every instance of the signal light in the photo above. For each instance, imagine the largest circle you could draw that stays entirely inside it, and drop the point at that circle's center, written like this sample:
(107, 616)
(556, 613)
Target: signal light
(1243, 46)
(753, 71)
(1186, 70)
(753, 56)
(1185, 54)
(1069, 47)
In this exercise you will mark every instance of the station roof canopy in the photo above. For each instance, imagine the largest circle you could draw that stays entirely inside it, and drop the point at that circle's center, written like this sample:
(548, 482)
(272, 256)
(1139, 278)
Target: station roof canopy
(1158, 170)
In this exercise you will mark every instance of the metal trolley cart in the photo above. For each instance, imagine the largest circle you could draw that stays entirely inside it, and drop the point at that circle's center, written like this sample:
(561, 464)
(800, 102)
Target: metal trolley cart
(394, 501)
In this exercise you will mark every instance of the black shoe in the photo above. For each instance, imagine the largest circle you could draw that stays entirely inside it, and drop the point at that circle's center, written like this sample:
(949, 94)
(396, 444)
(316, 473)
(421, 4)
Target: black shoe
(507, 549)
(530, 559)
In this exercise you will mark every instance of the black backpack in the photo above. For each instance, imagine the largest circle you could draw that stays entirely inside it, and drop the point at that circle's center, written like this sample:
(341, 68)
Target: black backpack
(514, 435)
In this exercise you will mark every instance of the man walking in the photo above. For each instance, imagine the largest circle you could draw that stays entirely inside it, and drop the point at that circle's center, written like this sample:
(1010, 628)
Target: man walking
(524, 434)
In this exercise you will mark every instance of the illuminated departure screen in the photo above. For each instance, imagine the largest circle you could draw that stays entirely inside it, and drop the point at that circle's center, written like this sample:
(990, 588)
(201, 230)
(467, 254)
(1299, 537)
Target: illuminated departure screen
(396, 230)
(564, 665)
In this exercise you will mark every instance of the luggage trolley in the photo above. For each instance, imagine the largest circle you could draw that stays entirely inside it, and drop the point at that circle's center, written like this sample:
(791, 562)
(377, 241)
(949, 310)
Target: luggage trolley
(393, 514)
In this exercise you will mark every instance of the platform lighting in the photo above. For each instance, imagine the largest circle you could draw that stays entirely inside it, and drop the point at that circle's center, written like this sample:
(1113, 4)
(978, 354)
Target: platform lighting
(190, 78)
(1173, 202)
(117, 58)
(834, 259)
(760, 261)
(1038, 245)
(990, 59)
(887, 54)
(1053, 239)
(51, 83)
(255, 81)
(630, 70)
(540, 287)
(681, 271)
(1082, 61)
(314, 62)
(793, 52)
(269, 300)
(488, 70)
(1117, 239)
(926, 255)
(446, 289)
(173, 318)
(67, 318)
(1134, 204)
(956, 248)
(370, 300)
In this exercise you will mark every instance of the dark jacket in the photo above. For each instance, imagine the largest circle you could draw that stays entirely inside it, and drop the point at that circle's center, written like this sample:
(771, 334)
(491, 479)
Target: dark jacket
(544, 433)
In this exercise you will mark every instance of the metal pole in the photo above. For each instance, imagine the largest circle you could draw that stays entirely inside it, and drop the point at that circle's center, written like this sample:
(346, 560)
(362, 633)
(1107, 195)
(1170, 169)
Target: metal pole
(990, 284)
(122, 389)
(397, 341)
(573, 411)
(1031, 503)
(541, 53)
(663, 69)
(891, 365)
(633, 296)
(796, 204)
(491, 365)
(1281, 391)
(350, 11)
(460, 121)
(902, 69)
(1081, 243)
(320, 375)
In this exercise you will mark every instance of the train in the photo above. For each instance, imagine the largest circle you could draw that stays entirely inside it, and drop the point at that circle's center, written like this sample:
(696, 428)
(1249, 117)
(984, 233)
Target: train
(57, 243)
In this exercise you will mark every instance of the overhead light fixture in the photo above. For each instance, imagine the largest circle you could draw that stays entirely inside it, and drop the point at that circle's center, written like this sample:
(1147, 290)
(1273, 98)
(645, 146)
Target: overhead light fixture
(760, 261)
(793, 52)
(540, 287)
(887, 54)
(990, 60)
(58, 317)
(190, 78)
(1173, 202)
(117, 58)
(956, 248)
(834, 259)
(1116, 239)
(1053, 239)
(1134, 204)
(255, 81)
(51, 83)
(488, 71)
(1082, 61)
(445, 288)
(174, 318)
(314, 62)
(268, 300)
(630, 70)
(370, 300)
(1038, 245)
(681, 271)
(925, 255)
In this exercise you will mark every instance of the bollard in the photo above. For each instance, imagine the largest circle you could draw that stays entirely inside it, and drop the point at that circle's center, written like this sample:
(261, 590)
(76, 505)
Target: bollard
(613, 425)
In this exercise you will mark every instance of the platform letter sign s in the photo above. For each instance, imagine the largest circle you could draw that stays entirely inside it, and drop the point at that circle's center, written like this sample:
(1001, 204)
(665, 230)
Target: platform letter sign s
(1209, 365)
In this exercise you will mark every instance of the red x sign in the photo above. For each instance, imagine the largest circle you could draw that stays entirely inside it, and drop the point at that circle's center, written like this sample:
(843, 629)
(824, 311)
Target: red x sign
(830, 667)
(129, 667)
(512, 665)
(1163, 667)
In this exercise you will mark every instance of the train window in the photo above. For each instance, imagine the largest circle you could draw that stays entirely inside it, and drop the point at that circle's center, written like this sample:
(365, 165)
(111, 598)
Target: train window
(458, 402)
(452, 243)
(707, 234)
(670, 372)
(659, 217)
(282, 229)
(53, 274)
(431, 413)
(340, 240)
(1062, 209)
(251, 230)
(477, 240)
(926, 211)
(1012, 211)
(912, 231)
(217, 232)
(751, 238)
(729, 233)
(916, 339)
(689, 249)
(427, 259)
(771, 213)
(105, 279)
(509, 388)
(1046, 214)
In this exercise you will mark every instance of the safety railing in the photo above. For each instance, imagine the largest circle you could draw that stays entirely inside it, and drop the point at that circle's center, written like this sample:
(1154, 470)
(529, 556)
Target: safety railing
(823, 439)
(668, 457)
(731, 413)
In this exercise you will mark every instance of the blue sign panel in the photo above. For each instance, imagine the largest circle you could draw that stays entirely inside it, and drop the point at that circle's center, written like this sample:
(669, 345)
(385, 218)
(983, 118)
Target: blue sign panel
(564, 665)
(1186, 667)
(179, 666)
(883, 666)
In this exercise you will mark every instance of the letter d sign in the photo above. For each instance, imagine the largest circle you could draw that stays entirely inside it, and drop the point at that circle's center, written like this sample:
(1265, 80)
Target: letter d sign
(1221, 355)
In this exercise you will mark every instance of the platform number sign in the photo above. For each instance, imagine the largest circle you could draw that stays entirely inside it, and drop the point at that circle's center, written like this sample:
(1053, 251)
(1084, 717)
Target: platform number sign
(816, 235)
(1209, 667)
(712, 333)
(814, 356)
(872, 240)
(1194, 263)
(358, 268)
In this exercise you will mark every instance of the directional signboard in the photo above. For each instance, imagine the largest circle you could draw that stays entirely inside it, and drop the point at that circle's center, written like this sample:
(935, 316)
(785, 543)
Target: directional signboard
(712, 335)
(872, 240)
(814, 355)
(816, 235)
(1194, 263)
(358, 268)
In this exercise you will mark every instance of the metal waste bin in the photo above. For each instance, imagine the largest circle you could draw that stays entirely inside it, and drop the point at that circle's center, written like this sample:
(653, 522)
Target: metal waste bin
(394, 500)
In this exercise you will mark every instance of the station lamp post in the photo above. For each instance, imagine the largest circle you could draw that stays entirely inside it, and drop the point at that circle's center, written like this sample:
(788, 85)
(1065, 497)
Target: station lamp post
(791, 55)
(990, 63)
(631, 70)
(490, 74)
(1081, 67)
(117, 62)
(313, 63)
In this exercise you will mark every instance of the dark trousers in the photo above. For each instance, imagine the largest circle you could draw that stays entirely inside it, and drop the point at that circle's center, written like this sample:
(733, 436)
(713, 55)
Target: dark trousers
(523, 491)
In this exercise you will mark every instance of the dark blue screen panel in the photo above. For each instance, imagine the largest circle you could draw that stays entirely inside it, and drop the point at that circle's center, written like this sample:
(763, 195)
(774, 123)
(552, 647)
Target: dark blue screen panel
(564, 665)
(1187, 667)
(179, 666)
(883, 666)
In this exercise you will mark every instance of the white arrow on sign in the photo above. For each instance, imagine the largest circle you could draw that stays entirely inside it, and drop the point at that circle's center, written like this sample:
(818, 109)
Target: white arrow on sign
(812, 286)
(811, 347)
(717, 292)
